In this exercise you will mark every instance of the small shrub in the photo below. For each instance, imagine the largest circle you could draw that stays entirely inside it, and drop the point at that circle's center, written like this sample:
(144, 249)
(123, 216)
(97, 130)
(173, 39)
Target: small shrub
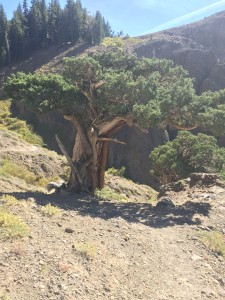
(42, 181)
(153, 198)
(86, 250)
(11, 226)
(215, 241)
(117, 42)
(4, 296)
(9, 200)
(50, 210)
(117, 172)
(109, 194)
(187, 153)
(66, 173)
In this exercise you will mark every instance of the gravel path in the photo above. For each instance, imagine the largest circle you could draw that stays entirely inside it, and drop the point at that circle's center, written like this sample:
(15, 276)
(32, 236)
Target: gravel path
(104, 250)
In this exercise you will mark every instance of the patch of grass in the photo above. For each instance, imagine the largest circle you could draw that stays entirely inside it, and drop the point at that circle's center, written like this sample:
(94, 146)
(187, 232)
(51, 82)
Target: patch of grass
(42, 181)
(120, 42)
(86, 250)
(222, 175)
(4, 296)
(117, 172)
(18, 126)
(133, 40)
(50, 210)
(9, 200)
(11, 226)
(9, 168)
(215, 241)
(153, 198)
(65, 173)
(117, 42)
(109, 194)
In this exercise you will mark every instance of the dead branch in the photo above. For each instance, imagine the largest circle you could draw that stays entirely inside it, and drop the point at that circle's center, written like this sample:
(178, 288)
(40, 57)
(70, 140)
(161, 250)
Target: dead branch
(97, 86)
(110, 127)
(111, 140)
(179, 127)
(69, 159)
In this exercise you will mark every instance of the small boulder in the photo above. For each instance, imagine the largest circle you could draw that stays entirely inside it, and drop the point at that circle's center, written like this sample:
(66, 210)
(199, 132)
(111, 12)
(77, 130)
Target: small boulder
(69, 230)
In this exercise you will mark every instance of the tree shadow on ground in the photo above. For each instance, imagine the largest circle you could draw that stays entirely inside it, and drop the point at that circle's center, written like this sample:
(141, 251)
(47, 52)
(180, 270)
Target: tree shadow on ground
(144, 213)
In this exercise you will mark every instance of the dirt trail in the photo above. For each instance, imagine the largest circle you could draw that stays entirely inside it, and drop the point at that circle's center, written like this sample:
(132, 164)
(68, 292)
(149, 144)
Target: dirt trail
(140, 252)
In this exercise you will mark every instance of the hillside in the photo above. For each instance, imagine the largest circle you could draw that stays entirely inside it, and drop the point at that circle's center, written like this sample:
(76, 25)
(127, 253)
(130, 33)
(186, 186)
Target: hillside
(198, 47)
(121, 244)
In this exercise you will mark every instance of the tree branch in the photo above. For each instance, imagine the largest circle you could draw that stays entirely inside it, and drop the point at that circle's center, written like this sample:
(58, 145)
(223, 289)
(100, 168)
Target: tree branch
(70, 162)
(111, 140)
(97, 86)
(178, 127)
(108, 128)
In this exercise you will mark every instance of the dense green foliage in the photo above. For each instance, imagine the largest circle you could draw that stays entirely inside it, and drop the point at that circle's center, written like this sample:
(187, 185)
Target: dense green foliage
(42, 25)
(186, 154)
(153, 91)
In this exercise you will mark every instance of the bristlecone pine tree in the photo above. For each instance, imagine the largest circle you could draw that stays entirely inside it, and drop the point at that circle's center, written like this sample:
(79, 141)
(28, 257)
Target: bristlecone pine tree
(101, 93)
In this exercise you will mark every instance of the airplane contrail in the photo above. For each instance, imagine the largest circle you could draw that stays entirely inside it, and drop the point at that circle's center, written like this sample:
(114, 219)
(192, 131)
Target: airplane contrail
(177, 21)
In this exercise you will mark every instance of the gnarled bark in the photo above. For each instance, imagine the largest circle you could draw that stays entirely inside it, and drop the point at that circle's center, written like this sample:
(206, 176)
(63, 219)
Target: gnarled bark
(90, 152)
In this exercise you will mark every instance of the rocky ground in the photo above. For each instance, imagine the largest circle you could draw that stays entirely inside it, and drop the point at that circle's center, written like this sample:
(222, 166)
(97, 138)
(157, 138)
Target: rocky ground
(129, 247)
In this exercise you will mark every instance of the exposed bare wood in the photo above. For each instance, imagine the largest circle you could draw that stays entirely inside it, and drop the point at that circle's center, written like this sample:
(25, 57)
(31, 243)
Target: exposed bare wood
(69, 159)
(95, 120)
(103, 161)
(179, 127)
(110, 127)
(84, 144)
(111, 140)
(87, 94)
(97, 86)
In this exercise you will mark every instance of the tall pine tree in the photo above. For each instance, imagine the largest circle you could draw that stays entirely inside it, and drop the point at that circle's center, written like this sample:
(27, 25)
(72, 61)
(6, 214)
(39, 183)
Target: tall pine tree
(36, 27)
(54, 21)
(98, 30)
(17, 35)
(4, 44)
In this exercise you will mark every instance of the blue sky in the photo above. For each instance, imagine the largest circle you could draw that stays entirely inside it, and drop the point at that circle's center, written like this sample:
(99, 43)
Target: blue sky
(137, 17)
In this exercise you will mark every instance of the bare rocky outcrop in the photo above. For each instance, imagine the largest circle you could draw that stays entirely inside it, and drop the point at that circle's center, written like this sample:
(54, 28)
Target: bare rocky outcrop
(198, 47)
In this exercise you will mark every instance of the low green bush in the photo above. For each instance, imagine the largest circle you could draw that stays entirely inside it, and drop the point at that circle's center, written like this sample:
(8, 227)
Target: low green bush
(187, 153)
(117, 172)
(11, 226)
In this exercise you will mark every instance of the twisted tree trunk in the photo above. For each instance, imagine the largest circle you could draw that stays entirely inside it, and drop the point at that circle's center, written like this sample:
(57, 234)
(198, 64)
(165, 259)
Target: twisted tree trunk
(89, 158)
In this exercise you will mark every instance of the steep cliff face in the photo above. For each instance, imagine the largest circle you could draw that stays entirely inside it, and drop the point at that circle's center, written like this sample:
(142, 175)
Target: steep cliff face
(47, 125)
(135, 154)
(198, 47)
